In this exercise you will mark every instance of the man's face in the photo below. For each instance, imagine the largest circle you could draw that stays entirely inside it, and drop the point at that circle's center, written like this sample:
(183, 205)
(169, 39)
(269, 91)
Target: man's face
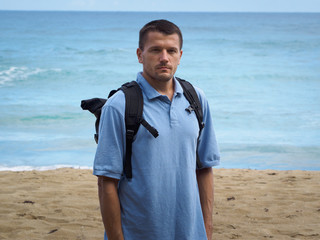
(160, 56)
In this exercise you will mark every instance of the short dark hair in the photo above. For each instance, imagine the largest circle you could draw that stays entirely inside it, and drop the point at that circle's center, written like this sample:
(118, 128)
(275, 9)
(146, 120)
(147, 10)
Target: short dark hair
(163, 26)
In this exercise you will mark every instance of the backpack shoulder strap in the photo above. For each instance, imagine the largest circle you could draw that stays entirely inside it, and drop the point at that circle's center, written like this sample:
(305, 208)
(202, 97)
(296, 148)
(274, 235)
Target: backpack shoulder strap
(133, 116)
(133, 119)
(192, 97)
(134, 106)
(195, 105)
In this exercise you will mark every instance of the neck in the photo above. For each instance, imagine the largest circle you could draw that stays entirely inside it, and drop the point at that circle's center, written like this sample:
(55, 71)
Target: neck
(163, 87)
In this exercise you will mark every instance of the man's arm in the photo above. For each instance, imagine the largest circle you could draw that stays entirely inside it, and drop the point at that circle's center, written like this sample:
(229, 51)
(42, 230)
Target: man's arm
(205, 184)
(110, 207)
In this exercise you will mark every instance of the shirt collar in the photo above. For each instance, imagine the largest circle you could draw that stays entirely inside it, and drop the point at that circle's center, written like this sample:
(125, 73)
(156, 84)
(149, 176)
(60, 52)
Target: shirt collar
(151, 93)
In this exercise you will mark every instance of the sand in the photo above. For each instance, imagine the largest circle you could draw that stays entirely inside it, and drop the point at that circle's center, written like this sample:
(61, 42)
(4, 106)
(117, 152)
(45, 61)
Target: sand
(249, 204)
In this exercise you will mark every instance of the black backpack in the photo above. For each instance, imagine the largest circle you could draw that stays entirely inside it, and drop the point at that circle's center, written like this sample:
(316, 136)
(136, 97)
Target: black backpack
(134, 111)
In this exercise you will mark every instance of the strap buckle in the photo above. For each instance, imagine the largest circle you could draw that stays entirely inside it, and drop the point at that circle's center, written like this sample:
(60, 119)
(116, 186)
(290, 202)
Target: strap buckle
(189, 109)
(129, 134)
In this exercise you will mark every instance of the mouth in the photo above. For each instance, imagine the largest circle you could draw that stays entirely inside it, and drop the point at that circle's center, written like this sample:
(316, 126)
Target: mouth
(163, 68)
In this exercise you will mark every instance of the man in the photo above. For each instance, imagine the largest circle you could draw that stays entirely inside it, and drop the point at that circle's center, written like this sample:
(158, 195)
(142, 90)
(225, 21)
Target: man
(168, 197)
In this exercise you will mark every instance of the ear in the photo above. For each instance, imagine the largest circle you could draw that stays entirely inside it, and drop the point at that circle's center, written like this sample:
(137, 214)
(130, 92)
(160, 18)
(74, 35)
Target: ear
(139, 55)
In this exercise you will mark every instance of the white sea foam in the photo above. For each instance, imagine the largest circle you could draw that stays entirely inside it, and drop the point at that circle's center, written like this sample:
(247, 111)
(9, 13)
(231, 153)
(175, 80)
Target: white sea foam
(40, 168)
(10, 74)
(21, 73)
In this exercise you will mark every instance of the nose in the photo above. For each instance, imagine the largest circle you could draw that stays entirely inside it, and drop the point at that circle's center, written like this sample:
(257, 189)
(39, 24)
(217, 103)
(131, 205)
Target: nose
(164, 56)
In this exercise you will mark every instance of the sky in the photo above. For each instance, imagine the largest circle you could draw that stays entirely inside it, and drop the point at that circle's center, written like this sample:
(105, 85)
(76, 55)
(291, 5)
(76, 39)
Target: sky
(165, 5)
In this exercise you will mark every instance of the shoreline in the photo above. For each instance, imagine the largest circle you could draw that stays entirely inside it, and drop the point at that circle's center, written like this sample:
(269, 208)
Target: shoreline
(249, 204)
(42, 168)
(23, 168)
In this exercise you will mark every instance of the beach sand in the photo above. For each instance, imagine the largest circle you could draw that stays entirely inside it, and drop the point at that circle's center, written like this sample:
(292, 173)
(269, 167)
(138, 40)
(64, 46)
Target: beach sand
(249, 204)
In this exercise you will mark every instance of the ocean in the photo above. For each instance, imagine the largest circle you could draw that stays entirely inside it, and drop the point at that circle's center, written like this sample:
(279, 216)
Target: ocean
(259, 71)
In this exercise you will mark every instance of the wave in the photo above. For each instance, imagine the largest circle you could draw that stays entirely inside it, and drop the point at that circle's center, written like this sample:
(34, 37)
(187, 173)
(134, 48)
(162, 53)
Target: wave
(21, 73)
(92, 51)
(52, 117)
(40, 168)
(102, 52)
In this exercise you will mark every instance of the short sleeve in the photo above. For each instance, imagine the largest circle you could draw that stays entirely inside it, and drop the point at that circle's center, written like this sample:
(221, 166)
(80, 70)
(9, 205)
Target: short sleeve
(110, 150)
(208, 150)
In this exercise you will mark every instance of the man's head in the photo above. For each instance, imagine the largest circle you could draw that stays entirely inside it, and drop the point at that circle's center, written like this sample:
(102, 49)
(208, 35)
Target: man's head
(159, 50)
(162, 26)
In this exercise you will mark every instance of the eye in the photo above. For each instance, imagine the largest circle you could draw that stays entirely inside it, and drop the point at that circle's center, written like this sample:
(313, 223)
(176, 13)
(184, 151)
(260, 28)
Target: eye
(172, 51)
(155, 50)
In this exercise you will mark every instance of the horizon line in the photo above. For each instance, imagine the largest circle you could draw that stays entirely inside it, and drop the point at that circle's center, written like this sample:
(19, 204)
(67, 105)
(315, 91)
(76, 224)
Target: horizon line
(144, 11)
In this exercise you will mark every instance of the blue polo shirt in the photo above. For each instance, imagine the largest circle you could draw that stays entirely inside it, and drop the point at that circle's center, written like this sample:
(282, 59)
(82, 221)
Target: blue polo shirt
(161, 201)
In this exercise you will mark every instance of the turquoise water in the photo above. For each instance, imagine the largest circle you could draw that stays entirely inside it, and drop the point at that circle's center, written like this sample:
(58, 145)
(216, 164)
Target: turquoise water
(260, 72)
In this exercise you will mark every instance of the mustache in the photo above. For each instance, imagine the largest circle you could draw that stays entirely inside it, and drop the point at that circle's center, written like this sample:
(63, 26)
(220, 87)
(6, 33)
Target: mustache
(163, 65)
